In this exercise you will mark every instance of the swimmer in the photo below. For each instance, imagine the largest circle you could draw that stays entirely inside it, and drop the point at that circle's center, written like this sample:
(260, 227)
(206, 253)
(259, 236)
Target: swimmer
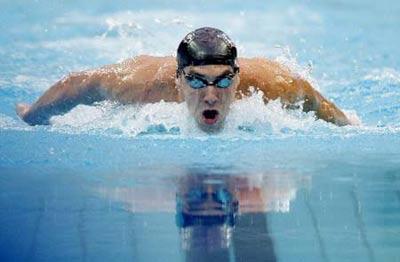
(206, 74)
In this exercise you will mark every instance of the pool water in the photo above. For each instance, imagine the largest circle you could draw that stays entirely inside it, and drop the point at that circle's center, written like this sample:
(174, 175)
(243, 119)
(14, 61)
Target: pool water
(142, 183)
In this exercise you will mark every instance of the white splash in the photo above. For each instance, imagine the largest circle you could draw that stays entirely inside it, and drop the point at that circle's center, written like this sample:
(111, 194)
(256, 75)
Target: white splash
(9, 123)
(249, 117)
(384, 74)
(251, 113)
(289, 60)
(126, 120)
(353, 117)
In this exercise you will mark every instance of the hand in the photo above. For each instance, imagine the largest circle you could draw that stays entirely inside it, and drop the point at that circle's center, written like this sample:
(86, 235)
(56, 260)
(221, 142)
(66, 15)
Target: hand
(22, 109)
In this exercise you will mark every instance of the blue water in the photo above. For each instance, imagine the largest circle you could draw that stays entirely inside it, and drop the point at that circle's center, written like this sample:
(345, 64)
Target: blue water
(106, 182)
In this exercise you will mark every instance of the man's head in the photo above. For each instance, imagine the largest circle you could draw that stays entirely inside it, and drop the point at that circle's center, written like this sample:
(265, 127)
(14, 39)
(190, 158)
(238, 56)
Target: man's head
(207, 75)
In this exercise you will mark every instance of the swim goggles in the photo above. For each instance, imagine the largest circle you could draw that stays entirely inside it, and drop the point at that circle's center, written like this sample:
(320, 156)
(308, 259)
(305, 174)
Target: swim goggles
(198, 82)
(189, 204)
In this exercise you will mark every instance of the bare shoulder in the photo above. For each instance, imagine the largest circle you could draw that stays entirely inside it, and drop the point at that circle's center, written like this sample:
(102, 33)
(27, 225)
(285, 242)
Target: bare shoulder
(140, 79)
(262, 63)
(138, 64)
(269, 76)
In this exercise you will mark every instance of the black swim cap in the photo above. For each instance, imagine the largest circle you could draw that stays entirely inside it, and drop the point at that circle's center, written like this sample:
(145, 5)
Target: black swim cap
(206, 46)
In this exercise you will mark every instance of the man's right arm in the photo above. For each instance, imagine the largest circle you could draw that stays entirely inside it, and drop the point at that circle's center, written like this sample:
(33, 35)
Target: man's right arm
(77, 88)
(144, 79)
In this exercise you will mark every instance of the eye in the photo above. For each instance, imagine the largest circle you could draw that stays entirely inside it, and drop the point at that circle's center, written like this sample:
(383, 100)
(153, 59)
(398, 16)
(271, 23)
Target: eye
(224, 82)
(195, 82)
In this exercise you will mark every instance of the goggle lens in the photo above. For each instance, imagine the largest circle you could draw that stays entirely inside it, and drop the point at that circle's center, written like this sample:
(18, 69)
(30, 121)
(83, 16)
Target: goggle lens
(224, 82)
(197, 82)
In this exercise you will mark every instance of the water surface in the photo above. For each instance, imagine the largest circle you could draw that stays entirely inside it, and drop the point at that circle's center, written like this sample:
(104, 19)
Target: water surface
(142, 183)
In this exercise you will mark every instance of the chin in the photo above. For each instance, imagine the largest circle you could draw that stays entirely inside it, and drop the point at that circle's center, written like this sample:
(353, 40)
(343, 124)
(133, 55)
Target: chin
(210, 127)
(216, 128)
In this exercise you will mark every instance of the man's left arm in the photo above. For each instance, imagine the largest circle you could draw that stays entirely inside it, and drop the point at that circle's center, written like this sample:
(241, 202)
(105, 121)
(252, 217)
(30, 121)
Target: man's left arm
(278, 82)
(324, 109)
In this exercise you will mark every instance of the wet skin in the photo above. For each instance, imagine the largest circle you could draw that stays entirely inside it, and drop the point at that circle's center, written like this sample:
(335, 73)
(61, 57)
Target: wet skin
(208, 105)
(149, 79)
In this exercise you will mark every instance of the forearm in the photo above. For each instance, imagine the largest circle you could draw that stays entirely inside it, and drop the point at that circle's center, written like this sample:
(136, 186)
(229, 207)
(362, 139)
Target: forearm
(323, 108)
(330, 112)
(77, 88)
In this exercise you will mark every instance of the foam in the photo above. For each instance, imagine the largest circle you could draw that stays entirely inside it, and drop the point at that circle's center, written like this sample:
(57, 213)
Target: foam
(287, 59)
(124, 120)
(249, 118)
(384, 74)
(9, 123)
(271, 118)
(353, 117)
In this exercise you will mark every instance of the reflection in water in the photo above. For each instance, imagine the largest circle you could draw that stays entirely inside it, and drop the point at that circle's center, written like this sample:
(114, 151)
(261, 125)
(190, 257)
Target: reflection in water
(54, 217)
(219, 217)
(206, 210)
(222, 217)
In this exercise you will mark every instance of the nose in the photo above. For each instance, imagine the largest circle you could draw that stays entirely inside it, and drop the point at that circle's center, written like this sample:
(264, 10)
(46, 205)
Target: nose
(211, 97)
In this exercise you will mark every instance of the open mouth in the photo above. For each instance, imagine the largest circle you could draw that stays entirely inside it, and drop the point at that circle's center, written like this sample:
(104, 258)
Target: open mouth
(210, 116)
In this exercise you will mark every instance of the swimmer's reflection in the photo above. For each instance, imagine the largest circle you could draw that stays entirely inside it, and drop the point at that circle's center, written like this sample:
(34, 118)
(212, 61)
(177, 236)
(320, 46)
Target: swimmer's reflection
(210, 225)
(219, 217)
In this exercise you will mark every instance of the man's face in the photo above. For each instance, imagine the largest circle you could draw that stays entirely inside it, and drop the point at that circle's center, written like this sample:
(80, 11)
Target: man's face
(208, 91)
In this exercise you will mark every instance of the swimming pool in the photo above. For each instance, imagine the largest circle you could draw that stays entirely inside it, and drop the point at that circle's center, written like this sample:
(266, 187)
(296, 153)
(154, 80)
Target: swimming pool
(112, 182)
